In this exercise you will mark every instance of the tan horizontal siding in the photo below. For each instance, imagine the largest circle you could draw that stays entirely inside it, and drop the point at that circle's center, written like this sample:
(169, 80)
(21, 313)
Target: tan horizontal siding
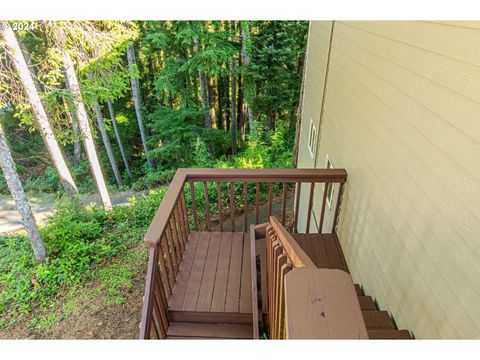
(402, 115)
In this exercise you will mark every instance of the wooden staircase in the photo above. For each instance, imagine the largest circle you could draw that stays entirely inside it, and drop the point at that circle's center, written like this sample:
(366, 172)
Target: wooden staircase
(326, 252)
(198, 325)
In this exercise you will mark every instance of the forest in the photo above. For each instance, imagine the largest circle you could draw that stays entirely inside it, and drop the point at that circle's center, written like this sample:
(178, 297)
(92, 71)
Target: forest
(104, 107)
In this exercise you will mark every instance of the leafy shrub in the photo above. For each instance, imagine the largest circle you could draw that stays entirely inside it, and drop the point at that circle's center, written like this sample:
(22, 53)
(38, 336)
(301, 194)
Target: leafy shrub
(78, 241)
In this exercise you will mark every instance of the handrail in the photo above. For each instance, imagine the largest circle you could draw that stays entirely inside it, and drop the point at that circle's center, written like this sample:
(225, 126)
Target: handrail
(295, 253)
(169, 231)
(160, 221)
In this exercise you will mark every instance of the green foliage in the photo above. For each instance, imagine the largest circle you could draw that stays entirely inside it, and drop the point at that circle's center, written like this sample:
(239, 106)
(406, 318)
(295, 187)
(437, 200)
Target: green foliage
(78, 241)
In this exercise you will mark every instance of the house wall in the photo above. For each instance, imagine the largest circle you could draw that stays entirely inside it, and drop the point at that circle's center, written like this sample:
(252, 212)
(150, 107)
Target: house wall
(315, 71)
(402, 116)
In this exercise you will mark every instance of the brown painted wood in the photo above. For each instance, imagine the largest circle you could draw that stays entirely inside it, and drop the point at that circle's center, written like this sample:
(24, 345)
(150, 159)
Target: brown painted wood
(322, 213)
(146, 320)
(337, 207)
(253, 282)
(232, 205)
(310, 206)
(230, 331)
(221, 278)
(294, 252)
(207, 207)
(389, 335)
(246, 278)
(266, 175)
(366, 303)
(284, 203)
(270, 195)
(172, 250)
(328, 309)
(232, 300)
(220, 205)
(257, 203)
(245, 206)
(209, 317)
(359, 290)
(196, 274)
(297, 206)
(185, 214)
(175, 243)
(208, 280)
(194, 205)
(162, 216)
(377, 320)
(162, 268)
(178, 295)
(168, 260)
(179, 229)
(340, 252)
(333, 253)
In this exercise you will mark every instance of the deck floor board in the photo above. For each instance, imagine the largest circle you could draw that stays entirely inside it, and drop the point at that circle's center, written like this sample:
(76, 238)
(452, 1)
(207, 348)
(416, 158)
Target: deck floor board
(214, 274)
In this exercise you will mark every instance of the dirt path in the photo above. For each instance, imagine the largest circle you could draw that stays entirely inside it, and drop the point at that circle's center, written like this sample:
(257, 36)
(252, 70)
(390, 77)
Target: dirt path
(43, 205)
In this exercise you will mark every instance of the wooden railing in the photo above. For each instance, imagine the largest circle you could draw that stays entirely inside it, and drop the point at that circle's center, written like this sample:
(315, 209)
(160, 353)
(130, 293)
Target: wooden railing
(227, 195)
(303, 300)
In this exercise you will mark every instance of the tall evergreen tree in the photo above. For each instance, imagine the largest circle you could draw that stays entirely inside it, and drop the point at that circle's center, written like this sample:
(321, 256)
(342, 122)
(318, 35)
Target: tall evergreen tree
(38, 109)
(15, 186)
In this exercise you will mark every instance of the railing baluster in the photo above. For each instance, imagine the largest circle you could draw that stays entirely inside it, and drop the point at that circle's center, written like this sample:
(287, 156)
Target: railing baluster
(194, 205)
(245, 205)
(180, 227)
(286, 268)
(269, 200)
(284, 203)
(322, 213)
(162, 306)
(310, 205)
(176, 238)
(173, 251)
(161, 331)
(185, 215)
(297, 206)
(337, 207)
(207, 207)
(171, 274)
(257, 203)
(164, 273)
(232, 206)
(220, 205)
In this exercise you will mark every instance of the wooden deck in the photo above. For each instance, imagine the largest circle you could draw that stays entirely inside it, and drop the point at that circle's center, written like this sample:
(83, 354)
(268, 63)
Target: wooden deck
(214, 276)
(324, 250)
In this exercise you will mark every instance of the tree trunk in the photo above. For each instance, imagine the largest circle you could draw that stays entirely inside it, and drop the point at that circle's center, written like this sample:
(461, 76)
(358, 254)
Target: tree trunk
(38, 110)
(137, 101)
(77, 149)
(211, 99)
(86, 131)
(107, 144)
(119, 139)
(233, 103)
(203, 91)
(15, 186)
(248, 99)
(240, 108)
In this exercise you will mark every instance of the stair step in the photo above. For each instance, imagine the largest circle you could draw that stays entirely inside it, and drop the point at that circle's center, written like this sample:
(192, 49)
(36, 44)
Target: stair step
(366, 303)
(377, 320)
(206, 330)
(358, 290)
(209, 317)
(389, 334)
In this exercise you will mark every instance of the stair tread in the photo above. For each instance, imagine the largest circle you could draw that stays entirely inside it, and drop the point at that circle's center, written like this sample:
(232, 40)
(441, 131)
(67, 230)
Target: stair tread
(209, 317)
(366, 303)
(389, 334)
(377, 320)
(210, 330)
(358, 289)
